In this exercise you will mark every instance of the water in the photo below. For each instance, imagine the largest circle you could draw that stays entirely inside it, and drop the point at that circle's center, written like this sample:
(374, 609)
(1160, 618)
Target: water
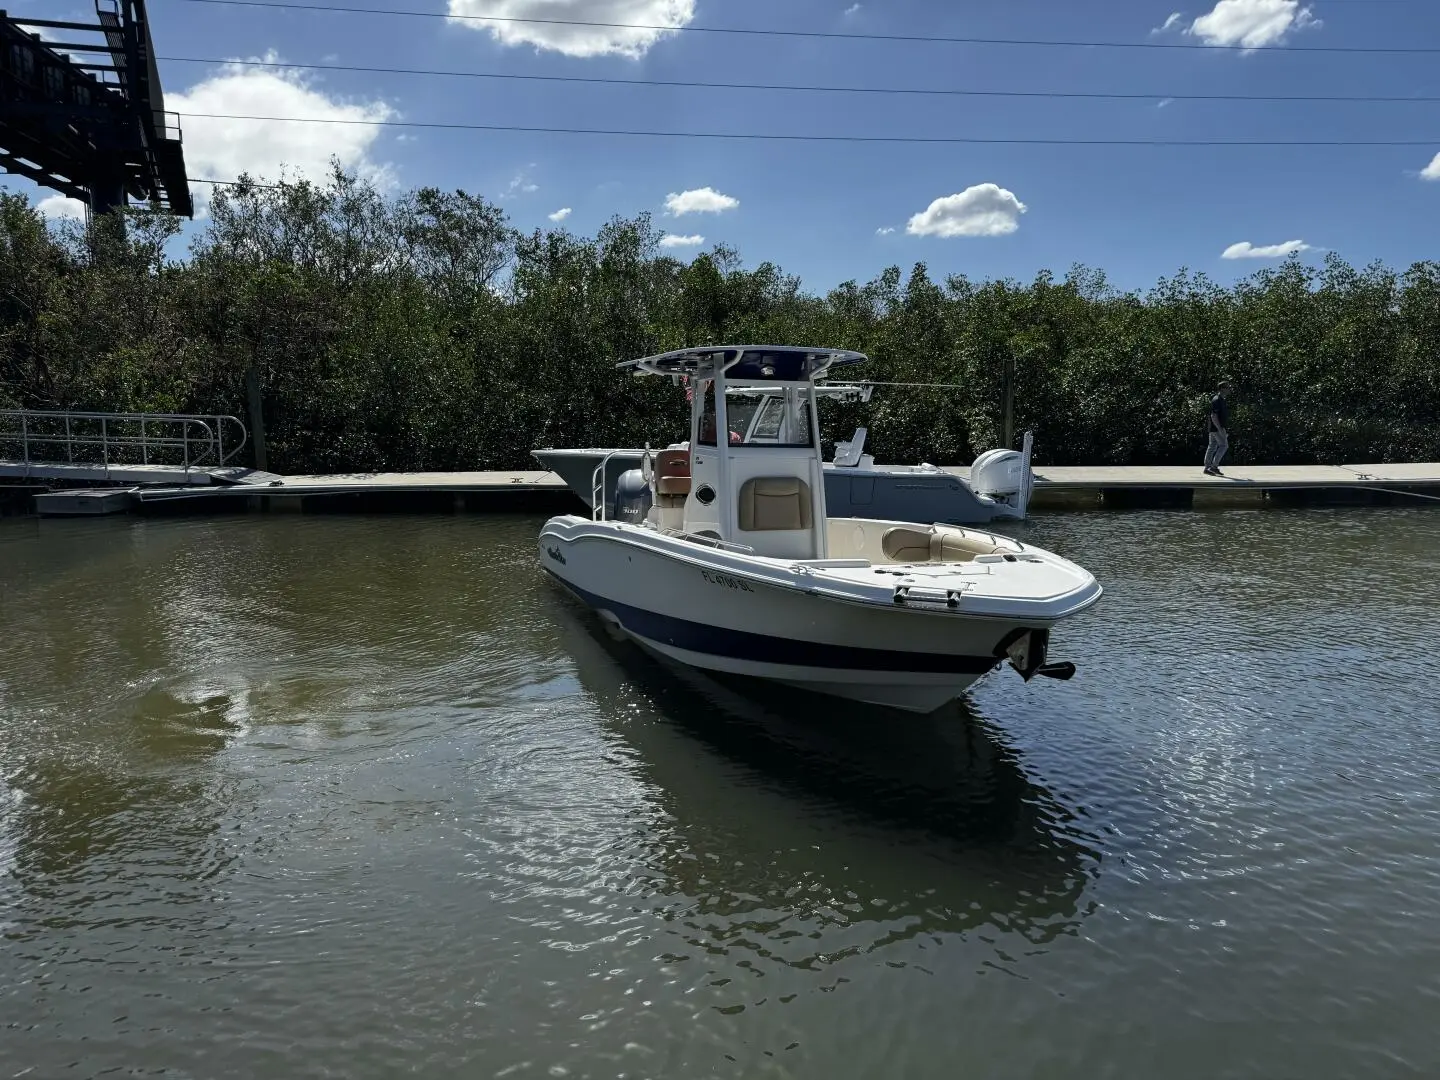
(365, 797)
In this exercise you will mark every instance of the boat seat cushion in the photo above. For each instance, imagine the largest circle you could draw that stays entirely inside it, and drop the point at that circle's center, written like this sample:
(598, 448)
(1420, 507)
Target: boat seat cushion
(947, 545)
(672, 472)
(904, 545)
(774, 503)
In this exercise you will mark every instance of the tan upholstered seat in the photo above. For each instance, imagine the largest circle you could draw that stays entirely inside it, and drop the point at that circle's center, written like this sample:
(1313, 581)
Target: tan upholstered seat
(774, 503)
(905, 545)
(947, 545)
(672, 472)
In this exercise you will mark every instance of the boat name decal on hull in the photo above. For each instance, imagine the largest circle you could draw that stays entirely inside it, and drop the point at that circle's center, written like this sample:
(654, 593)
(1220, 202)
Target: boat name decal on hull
(556, 554)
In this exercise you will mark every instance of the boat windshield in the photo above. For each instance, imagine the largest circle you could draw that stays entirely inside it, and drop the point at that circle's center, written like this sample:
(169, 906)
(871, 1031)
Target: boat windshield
(769, 420)
(757, 419)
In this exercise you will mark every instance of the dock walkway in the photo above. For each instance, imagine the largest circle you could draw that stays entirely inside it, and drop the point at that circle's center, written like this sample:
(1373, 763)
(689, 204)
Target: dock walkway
(240, 489)
(154, 487)
(1253, 477)
(272, 485)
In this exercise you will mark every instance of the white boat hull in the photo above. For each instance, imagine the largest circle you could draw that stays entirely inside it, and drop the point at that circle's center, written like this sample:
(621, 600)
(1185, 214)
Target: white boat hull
(689, 603)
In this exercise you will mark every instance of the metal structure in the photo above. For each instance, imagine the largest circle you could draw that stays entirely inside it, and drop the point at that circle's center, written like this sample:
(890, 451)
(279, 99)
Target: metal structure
(34, 437)
(97, 130)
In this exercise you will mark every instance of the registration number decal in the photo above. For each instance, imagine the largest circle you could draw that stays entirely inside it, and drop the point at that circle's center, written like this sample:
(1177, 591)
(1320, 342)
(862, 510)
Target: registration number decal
(726, 580)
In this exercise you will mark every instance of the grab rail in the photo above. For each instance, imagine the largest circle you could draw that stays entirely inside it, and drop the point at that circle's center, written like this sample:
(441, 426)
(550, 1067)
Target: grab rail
(709, 541)
(87, 438)
(598, 504)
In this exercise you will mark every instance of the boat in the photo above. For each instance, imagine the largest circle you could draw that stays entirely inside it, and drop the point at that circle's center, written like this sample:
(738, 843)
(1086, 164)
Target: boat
(998, 487)
(727, 559)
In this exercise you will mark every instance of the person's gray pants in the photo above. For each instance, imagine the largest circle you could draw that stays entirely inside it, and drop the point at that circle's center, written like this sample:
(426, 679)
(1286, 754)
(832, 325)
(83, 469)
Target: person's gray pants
(1219, 443)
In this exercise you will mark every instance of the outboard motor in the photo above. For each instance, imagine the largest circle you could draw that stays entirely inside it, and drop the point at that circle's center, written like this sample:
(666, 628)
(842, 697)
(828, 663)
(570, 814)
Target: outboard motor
(632, 497)
(1003, 476)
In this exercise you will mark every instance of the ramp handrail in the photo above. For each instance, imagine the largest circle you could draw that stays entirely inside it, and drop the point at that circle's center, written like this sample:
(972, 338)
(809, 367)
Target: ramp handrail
(54, 437)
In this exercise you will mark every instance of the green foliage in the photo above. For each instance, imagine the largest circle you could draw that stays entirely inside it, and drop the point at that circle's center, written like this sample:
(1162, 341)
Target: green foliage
(424, 332)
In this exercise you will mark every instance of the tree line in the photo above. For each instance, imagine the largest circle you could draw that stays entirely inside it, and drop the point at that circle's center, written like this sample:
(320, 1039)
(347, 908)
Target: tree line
(423, 331)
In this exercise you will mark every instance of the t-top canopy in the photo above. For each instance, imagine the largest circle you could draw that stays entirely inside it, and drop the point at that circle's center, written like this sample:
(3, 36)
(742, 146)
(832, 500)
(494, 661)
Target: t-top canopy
(747, 363)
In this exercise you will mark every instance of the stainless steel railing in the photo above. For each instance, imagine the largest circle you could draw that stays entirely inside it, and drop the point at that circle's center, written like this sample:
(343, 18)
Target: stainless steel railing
(39, 437)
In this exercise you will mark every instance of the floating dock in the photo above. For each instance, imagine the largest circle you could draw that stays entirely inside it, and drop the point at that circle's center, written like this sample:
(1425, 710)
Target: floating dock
(231, 489)
(1171, 485)
(85, 502)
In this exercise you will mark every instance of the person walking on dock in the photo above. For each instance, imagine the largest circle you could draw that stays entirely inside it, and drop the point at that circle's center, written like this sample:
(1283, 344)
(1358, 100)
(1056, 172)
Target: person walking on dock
(1219, 426)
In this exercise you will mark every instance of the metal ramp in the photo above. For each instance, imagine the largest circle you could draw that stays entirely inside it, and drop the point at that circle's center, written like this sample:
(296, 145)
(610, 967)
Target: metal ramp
(122, 448)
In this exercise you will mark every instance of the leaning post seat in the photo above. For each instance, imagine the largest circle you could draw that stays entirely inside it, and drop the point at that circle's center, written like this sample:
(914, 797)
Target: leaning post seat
(672, 473)
(774, 504)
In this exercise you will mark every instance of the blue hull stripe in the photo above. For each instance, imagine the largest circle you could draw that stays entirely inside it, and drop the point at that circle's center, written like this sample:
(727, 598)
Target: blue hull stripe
(764, 649)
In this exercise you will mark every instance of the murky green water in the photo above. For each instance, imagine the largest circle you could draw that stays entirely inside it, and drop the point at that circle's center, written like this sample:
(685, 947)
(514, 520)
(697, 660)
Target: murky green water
(365, 797)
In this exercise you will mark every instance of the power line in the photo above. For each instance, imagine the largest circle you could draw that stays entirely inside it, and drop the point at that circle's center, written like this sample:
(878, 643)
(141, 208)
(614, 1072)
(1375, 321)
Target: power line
(827, 34)
(679, 83)
(759, 136)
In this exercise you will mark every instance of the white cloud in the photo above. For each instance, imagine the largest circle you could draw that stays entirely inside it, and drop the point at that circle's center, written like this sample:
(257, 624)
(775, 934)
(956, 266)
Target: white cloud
(1431, 171)
(633, 37)
(1164, 103)
(885, 230)
(705, 200)
(982, 210)
(222, 149)
(1168, 24)
(670, 240)
(520, 184)
(60, 207)
(1252, 24)
(1247, 250)
(853, 9)
(561, 214)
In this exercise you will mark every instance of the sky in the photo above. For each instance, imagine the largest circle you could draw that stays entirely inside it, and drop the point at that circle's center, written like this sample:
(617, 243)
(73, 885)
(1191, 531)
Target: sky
(832, 211)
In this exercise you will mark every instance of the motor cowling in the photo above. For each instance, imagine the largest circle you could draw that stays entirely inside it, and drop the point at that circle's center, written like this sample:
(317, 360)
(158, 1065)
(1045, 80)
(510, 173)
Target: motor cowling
(999, 473)
(632, 497)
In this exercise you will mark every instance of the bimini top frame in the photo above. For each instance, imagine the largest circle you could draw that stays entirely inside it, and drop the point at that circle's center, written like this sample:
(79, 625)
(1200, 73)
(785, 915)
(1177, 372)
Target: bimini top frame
(754, 364)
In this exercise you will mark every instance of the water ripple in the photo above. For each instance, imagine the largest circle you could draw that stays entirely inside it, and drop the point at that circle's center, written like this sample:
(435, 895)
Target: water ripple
(319, 796)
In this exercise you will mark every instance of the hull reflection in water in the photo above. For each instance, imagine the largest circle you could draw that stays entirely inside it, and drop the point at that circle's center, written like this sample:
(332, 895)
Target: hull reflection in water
(911, 826)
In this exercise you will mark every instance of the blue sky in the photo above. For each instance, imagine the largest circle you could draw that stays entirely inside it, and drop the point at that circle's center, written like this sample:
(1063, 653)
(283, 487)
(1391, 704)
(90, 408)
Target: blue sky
(820, 209)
